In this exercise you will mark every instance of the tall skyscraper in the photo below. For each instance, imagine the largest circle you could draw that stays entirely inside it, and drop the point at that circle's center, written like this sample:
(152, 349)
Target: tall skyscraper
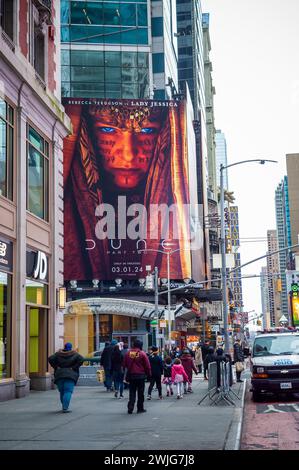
(274, 283)
(209, 100)
(293, 178)
(221, 157)
(284, 237)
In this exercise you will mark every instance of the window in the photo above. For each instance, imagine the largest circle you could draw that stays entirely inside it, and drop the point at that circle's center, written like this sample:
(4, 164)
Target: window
(37, 174)
(6, 149)
(7, 17)
(37, 42)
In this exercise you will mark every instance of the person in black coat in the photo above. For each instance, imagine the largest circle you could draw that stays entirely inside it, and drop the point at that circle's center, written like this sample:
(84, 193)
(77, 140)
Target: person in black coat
(220, 357)
(204, 351)
(156, 363)
(66, 363)
(210, 357)
(238, 357)
(117, 371)
(106, 363)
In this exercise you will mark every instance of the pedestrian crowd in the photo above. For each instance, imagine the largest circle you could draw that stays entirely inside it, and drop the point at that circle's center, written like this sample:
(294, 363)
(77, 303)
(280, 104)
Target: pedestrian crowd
(126, 368)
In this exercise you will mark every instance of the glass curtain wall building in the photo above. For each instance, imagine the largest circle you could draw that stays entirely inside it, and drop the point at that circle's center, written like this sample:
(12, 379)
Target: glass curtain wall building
(106, 49)
(284, 237)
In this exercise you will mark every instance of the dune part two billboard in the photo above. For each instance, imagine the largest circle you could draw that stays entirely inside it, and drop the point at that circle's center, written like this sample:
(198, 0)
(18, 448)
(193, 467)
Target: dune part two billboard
(127, 190)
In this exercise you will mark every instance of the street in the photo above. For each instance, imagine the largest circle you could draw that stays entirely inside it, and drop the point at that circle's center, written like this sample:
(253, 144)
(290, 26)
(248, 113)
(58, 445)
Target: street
(271, 424)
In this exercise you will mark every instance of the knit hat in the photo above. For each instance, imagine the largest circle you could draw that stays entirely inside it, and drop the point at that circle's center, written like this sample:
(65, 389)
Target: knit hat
(113, 342)
(154, 348)
(68, 347)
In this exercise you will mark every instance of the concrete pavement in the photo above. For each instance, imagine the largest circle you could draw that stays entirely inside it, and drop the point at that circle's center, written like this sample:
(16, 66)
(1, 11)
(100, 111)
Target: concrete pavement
(100, 421)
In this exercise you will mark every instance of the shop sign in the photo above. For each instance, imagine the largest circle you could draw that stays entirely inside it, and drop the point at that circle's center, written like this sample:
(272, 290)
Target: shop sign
(37, 265)
(162, 323)
(6, 255)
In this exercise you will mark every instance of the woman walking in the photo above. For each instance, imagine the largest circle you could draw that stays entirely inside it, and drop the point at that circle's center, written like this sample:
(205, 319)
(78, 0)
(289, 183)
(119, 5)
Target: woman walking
(117, 371)
(188, 364)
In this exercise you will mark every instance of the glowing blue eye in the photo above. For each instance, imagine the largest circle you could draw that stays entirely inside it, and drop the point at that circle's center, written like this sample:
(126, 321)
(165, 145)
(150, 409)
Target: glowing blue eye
(108, 130)
(147, 130)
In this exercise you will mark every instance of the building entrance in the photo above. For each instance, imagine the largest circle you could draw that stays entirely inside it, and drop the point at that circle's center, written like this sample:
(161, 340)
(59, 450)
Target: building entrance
(36, 343)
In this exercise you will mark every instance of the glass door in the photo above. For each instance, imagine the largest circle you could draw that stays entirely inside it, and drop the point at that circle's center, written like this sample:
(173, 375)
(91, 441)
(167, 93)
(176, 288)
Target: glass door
(37, 343)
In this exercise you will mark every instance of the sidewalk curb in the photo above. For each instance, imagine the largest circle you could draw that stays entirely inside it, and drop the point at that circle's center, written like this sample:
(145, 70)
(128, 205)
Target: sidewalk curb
(233, 439)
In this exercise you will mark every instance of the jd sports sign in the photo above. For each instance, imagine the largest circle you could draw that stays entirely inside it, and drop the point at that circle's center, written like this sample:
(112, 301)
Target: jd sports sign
(5, 255)
(37, 265)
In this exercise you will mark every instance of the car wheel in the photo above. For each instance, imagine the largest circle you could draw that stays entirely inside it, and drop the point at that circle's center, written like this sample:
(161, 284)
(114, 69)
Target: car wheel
(256, 396)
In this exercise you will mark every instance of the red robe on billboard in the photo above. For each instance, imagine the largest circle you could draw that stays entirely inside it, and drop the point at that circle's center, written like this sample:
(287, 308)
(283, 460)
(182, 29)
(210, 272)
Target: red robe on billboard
(132, 150)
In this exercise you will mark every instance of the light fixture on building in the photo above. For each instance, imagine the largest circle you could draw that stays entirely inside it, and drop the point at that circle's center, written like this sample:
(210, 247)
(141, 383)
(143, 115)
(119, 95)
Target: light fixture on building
(118, 281)
(73, 284)
(95, 283)
(187, 280)
(141, 281)
(61, 297)
(164, 281)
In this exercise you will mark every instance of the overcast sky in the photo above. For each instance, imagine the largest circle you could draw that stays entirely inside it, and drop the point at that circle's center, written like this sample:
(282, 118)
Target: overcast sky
(255, 58)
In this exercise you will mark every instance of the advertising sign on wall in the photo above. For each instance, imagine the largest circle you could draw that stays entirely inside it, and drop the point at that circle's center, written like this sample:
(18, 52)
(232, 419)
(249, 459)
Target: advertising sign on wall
(127, 190)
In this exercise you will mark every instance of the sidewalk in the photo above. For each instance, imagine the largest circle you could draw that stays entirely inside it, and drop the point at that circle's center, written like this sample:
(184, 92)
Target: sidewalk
(100, 421)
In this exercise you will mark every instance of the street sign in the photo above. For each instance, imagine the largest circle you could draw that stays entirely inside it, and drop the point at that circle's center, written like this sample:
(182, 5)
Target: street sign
(160, 336)
(162, 323)
(154, 322)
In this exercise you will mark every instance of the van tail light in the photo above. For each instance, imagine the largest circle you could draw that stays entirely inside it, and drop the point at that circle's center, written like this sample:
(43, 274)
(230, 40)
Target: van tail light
(260, 376)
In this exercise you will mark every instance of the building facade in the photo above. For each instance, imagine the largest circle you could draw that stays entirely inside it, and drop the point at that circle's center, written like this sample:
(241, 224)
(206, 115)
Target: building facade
(265, 297)
(33, 125)
(221, 158)
(274, 281)
(293, 175)
(209, 101)
(284, 238)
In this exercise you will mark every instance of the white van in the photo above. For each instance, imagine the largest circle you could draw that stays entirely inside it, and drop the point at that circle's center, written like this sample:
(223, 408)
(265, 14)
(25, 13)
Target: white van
(274, 363)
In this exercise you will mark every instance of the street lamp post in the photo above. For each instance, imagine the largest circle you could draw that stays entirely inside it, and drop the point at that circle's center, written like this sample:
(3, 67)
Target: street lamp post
(168, 253)
(223, 247)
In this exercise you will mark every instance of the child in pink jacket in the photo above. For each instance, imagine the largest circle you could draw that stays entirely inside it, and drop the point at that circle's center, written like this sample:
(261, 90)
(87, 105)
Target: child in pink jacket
(179, 376)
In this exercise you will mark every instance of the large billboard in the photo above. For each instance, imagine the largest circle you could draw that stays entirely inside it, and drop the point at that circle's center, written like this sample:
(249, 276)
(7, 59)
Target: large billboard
(127, 173)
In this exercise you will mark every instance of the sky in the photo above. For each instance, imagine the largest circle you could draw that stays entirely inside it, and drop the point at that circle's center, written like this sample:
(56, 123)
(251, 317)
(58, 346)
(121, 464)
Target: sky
(256, 76)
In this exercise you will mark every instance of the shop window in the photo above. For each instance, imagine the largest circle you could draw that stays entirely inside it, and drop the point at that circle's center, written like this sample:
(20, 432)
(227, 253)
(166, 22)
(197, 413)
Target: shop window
(36, 292)
(5, 324)
(6, 149)
(37, 174)
(7, 17)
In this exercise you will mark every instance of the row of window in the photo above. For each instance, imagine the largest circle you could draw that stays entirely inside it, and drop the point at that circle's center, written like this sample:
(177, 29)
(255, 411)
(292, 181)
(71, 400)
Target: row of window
(104, 35)
(121, 59)
(106, 13)
(37, 163)
(105, 90)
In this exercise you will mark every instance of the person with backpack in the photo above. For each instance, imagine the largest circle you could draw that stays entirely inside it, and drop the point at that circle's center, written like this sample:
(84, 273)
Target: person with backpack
(137, 369)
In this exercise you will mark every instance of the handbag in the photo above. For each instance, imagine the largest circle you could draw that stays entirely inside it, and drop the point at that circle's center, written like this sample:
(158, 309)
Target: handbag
(101, 375)
(239, 366)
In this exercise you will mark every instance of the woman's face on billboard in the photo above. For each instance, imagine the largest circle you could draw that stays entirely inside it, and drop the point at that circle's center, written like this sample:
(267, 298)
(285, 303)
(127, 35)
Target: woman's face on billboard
(126, 154)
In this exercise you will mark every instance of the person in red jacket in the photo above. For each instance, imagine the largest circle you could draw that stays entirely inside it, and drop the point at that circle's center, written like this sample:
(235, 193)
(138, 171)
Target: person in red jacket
(189, 366)
(137, 369)
(178, 376)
